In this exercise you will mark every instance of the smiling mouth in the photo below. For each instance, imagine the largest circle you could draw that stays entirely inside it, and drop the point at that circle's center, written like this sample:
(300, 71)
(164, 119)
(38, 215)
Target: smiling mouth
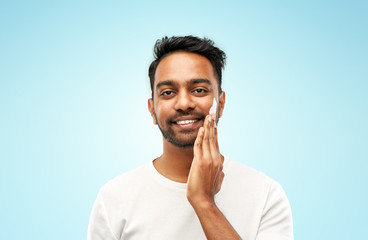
(184, 122)
(187, 119)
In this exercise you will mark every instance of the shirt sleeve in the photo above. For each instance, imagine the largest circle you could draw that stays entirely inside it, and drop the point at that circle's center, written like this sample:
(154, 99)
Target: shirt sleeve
(99, 227)
(276, 222)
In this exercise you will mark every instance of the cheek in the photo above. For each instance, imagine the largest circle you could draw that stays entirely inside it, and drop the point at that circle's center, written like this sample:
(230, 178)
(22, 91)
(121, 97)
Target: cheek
(160, 111)
(206, 106)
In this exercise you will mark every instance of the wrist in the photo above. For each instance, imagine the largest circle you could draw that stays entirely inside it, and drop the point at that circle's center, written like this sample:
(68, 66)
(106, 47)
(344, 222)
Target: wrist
(203, 204)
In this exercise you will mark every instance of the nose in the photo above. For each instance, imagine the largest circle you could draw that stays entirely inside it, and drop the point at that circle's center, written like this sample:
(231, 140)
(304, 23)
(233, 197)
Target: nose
(184, 102)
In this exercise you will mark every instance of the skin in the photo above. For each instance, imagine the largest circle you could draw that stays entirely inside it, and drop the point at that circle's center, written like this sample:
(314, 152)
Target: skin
(184, 88)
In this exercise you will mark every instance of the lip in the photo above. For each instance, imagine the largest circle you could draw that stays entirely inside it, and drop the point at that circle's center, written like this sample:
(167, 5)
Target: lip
(183, 118)
(197, 124)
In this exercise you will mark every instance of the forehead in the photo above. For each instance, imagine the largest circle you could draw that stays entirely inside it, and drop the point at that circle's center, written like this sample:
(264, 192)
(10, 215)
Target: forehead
(182, 67)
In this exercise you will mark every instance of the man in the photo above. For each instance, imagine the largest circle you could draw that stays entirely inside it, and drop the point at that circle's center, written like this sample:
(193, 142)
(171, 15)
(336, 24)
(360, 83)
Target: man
(191, 191)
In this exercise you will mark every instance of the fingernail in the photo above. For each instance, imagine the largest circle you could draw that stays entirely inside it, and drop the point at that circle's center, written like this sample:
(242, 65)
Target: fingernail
(215, 124)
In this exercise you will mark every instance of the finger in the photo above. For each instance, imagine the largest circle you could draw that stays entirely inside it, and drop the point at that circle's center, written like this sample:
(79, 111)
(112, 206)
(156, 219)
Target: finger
(205, 145)
(198, 142)
(216, 138)
(215, 129)
(213, 140)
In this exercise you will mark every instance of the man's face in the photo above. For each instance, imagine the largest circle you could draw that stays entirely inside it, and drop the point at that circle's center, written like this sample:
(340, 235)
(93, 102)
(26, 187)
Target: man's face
(183, 92)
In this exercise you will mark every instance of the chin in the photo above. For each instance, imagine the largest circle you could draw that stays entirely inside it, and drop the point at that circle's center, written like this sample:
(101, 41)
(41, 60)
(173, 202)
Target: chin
(182, 143)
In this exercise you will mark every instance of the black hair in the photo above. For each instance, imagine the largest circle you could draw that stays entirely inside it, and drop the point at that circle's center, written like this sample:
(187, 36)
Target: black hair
(202, 46)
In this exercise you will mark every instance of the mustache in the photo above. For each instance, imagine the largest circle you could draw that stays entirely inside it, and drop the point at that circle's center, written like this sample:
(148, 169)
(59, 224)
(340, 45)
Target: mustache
(187, 113)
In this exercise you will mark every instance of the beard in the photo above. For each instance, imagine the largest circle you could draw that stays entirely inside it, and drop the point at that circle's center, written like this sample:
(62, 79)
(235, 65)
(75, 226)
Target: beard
(186, 138)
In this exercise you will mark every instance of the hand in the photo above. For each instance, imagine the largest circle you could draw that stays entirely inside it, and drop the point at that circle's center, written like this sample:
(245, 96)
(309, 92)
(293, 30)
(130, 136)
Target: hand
(205, 176)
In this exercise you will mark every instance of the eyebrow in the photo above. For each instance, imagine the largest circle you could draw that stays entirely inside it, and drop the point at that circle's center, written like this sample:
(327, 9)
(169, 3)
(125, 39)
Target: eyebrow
(165, 83)
(191, 82)
(200, 80)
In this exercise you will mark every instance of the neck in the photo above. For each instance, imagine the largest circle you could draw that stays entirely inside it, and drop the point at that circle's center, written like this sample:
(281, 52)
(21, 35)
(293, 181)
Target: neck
(175, 162)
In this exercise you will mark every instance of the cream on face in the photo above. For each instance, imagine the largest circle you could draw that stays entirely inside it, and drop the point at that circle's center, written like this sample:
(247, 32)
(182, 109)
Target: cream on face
(214, 107)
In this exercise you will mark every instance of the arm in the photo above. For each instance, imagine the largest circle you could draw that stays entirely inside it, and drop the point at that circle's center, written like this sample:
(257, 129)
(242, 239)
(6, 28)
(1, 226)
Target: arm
(204, 182)
(276, 222)
(214, 223)
(99, 227)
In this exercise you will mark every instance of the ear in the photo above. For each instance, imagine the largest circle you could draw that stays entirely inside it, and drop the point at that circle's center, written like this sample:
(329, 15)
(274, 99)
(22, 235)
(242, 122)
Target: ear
(152, 110)
(222, 103)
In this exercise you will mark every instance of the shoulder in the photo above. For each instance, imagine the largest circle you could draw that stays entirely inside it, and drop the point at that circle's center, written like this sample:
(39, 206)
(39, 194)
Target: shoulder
(245, 174)
(251, 180)
(124, 183)
(260, 191)
(264, 195)
(114, 198)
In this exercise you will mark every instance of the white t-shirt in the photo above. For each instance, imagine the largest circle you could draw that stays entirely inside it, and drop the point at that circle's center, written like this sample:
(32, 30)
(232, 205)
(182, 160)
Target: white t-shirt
(143, 204)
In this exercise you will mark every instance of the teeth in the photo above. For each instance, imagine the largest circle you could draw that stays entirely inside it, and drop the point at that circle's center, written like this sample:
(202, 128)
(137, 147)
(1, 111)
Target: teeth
(186, 121)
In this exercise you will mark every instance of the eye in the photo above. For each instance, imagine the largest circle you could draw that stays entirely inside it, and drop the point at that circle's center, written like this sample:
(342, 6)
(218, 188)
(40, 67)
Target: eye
(200, 91)
(166, 93)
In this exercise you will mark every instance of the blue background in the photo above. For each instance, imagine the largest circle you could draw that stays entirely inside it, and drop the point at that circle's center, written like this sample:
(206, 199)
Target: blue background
(74, 90)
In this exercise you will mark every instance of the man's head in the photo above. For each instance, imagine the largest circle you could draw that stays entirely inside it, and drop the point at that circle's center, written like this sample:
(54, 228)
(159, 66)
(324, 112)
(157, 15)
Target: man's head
(185, 78)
